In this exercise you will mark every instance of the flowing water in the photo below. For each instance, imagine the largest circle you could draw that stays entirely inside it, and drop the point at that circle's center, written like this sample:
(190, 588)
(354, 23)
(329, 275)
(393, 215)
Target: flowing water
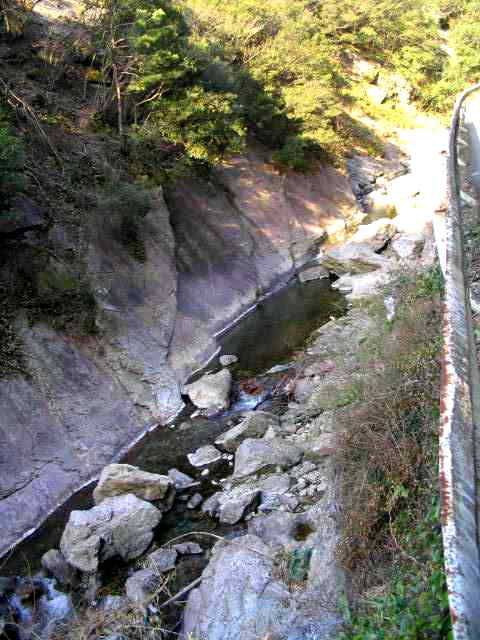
(267, 337)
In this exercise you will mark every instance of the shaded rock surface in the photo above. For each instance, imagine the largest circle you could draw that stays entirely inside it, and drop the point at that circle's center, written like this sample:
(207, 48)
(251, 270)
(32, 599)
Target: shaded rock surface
(257, 600)
(56, 565)
(162, 560)
(86, 398)
(313, 273)
(255, 605)
(25, 216)
(234, 506)
(253, 426)
(142, 585)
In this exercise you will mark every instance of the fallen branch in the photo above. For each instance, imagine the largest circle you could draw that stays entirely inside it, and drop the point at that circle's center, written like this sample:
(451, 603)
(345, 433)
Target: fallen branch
(16, 101)
(181, 592)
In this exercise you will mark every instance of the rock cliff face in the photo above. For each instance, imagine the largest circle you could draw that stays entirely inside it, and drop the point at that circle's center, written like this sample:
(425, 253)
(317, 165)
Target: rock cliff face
(212, 249)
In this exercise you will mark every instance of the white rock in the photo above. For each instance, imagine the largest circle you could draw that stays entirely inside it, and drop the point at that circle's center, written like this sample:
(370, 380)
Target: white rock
(180, 480)
(204, 456)
(212, 391)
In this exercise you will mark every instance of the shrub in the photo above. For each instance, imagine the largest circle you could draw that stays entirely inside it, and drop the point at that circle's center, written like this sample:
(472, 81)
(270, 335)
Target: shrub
(15, 15)
(11, 163)
(388, 458)
(207, 124)
(296, 153)
(125, 205)
(415, 604)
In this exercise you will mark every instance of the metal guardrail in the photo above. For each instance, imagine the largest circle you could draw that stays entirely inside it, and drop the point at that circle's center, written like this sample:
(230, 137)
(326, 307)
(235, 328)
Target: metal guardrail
(460, 413)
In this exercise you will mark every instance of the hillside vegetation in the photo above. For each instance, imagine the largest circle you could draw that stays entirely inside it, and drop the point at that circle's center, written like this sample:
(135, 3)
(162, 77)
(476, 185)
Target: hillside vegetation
(194, 80)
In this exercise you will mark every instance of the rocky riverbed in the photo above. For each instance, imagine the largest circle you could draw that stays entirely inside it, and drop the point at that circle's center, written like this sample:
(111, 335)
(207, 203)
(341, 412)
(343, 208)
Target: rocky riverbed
(260, 559)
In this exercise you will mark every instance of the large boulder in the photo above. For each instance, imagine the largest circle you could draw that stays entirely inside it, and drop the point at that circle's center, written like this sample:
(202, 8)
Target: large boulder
(353, 258)
(255, 425)
(255, 455)
(212, 391)
(239, 596)
(117, 479)
(122, 525)
(376, 235)
(278, 529)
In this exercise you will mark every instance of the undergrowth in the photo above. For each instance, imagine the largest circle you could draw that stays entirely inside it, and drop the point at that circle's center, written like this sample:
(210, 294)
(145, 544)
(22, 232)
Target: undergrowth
(391, 546)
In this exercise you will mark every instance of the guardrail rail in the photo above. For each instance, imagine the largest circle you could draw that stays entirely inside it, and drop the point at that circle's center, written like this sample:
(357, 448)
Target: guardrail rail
(460, 406)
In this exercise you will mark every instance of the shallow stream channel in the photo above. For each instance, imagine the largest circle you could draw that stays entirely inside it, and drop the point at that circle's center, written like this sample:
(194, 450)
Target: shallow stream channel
(265, 343)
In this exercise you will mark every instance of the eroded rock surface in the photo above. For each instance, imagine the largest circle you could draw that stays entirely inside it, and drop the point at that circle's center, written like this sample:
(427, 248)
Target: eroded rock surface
(209, 252)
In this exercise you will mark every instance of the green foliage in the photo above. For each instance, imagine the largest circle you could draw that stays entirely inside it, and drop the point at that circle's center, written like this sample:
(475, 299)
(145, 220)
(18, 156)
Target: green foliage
(158, 38)
(296, 153)
(11, 163)
(428, 283)
(207, 124)
(462, 68)
(388, 457)
(207, 75)
(415, 605)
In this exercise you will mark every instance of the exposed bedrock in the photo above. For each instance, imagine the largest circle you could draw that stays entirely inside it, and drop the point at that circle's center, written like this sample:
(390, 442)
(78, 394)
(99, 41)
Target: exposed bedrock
(210, 254)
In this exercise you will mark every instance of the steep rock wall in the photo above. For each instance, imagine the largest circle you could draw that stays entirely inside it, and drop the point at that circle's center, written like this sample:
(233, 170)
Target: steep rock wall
(210, 254)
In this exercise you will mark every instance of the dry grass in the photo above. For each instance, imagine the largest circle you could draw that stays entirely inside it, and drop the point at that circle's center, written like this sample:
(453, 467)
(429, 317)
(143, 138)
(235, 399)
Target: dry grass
(387, 450)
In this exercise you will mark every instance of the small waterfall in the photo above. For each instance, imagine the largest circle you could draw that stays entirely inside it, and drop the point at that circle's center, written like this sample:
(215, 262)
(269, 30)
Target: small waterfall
(35, 614)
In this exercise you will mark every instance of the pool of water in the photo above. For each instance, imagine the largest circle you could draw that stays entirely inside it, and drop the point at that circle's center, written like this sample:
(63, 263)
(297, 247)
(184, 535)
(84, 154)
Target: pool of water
(281, 324)
(269, 336)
